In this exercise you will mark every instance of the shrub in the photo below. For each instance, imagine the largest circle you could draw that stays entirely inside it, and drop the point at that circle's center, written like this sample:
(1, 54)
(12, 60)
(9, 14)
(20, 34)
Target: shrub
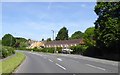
(91, 51)
(59, 49)
(50, 50)
(35, 49)
(79, 49)
(7, 51)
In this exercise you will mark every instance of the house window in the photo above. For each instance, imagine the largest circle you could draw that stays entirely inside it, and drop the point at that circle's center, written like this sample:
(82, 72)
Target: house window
(75, 44)
(61, 45)
(58, 46)
(66, 45)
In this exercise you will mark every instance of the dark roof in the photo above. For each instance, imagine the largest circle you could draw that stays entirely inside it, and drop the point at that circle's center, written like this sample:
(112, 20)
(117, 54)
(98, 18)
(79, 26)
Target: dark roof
(74, 41)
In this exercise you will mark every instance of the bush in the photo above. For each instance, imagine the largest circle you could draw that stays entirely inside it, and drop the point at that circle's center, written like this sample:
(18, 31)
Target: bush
(92, 51)
(50, 50)
(59, 49)
(79, 49)
(35, 49)
(7, 51)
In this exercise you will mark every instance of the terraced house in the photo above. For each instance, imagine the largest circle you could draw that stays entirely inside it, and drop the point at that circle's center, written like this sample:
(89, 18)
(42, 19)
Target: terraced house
(64, 43)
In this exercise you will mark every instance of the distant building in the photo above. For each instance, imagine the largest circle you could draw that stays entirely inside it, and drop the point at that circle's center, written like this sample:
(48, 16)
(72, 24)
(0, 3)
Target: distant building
(61, 43)
(64, 43)
(35, 44)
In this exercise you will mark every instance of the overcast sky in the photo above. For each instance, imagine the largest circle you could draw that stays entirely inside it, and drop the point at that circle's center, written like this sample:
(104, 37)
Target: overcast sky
(35, 20)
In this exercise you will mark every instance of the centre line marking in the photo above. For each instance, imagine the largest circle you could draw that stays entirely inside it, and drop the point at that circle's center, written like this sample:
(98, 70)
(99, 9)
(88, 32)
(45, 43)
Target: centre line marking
(95, 67)
(50, 60)
(61, 66)
(59, 59)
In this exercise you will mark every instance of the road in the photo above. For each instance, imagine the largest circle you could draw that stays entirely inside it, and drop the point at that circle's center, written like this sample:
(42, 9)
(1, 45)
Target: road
(64, 63)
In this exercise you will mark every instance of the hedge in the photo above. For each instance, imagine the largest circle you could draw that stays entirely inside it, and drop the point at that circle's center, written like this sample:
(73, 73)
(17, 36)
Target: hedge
(49, 50)
(79, 49)
(6, 51)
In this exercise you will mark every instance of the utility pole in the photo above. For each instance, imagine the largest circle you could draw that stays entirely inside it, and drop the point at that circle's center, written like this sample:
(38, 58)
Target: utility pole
(53, 40)
(53, 34)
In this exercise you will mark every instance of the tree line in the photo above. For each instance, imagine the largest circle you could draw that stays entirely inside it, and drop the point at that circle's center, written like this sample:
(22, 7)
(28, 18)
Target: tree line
(63, 34)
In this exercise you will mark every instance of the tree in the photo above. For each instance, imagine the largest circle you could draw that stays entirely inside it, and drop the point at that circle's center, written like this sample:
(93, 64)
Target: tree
(20, 42)
(20, 39)
(89, 36)
(77, 35)
(49, 39)
(62, 34)
(42, 39)
(23, 44)
(8, 40)
(0, 42)
(107, 26)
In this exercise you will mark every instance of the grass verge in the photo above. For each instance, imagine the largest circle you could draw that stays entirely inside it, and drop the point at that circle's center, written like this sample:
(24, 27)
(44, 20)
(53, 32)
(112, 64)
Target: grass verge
(9, 65)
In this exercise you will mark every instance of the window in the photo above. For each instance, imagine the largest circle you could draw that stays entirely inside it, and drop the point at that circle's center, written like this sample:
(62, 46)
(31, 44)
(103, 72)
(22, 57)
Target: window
(75, 44)
(61, 45)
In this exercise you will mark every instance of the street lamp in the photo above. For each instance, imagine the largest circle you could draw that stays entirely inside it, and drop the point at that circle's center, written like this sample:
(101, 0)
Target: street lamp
(53, 34)
(53, 40)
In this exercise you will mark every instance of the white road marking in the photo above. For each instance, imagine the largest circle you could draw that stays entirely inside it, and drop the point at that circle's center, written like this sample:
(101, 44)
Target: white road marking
(61, 66)
(95, 67)
(59, 59)
(50, 60)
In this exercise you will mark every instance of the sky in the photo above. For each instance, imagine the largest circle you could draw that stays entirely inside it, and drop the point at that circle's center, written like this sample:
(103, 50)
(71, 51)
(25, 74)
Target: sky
(35, 20)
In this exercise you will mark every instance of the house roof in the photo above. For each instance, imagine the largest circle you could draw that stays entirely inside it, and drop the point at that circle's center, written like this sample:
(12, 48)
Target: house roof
(74, 41)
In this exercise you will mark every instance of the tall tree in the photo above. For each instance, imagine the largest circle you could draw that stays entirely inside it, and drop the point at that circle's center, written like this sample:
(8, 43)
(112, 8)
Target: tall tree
(62, 34)
(48, 39)
(89, 36)
(42, 39)
(8, 40)
(107, 26)
(77, 35)
(20, 42)
(20, 39)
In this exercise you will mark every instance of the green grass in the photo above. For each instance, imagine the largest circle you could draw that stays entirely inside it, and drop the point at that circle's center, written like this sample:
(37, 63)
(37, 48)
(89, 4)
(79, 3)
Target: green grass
(9, 65)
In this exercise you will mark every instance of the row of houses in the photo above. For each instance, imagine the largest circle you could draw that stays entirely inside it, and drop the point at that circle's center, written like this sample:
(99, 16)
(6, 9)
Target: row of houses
(60, 43)
(64, 43)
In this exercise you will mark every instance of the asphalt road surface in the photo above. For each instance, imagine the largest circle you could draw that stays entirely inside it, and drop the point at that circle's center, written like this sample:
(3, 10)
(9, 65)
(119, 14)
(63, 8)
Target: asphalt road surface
(64, 63)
